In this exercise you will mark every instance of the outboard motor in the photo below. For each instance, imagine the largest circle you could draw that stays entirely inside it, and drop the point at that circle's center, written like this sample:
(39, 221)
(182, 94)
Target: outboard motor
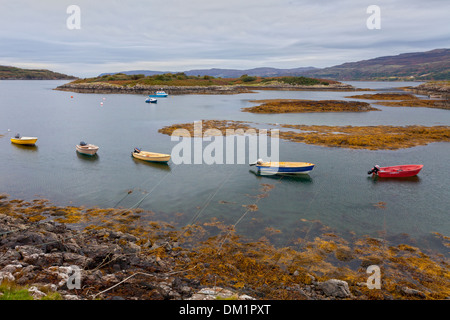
(258, 162)
(82, 143)
(17, 136)
(137, 150)
(374, 170)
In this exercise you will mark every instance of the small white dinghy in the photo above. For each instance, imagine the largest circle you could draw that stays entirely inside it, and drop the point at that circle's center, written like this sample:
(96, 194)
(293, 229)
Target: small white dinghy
(87, 149)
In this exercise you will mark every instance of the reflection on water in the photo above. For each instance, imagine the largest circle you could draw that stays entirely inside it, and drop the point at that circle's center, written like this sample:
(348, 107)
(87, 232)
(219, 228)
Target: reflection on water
(85, 157)
(377, 179)
(301, 178)
(26, 148)
(155, 165)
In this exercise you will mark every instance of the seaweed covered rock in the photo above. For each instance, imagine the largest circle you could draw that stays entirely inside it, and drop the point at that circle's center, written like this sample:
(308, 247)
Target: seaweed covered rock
(335, 288)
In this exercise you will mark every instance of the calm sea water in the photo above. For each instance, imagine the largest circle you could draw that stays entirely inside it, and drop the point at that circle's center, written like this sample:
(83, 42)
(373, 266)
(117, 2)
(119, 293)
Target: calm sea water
(338, 192)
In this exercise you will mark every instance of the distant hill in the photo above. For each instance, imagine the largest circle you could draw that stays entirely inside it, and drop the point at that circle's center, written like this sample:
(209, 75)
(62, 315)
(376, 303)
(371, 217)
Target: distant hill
(13, 73)
(227, 73)
(430, 65)
(256, 72)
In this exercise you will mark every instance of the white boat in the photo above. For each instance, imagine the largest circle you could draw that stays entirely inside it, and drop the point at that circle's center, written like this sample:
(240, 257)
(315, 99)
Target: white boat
(87, 149)
(151, 100)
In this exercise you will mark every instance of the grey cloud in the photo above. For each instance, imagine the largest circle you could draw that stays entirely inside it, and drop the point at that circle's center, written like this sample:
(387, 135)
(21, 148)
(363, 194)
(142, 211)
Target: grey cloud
(234, 33)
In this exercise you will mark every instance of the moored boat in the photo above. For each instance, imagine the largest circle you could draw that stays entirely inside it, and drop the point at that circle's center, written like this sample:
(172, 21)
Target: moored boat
(150, 156)
(159, 93)
(87, 149)
(401, 171)
(30, 141)
(151, 100)
(284, 167)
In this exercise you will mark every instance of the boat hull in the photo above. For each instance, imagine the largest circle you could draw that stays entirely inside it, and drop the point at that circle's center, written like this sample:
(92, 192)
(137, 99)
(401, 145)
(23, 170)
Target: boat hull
(285, 167)
(28, 141)
(89, 150)
(151, 156)
(158, 94)
(402, 171)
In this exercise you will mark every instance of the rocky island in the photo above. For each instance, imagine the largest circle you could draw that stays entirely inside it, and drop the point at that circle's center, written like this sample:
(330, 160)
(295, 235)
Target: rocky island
(350, 137)
(179, 83)
(307, 106)
(410, 100)
(433, 89)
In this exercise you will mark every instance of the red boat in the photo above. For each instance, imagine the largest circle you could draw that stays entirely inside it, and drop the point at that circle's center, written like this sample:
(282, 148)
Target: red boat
(407, 170)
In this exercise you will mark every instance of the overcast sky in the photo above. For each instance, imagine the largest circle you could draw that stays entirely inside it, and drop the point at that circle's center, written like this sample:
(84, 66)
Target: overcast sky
(178, 35)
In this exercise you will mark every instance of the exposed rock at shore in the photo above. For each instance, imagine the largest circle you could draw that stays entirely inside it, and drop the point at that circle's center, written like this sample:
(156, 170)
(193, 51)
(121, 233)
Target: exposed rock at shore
(45, 256)
(124, 258)
(335, 288)
(307, 106)
(407, 100)
(106, 88)
(433, 89)
(360, 137)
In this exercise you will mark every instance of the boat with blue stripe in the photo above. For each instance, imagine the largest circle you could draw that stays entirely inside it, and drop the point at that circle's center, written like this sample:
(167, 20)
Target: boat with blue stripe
(159, 93)
(284, 167)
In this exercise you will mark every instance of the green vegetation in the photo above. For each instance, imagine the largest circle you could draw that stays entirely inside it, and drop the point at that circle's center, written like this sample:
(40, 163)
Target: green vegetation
(181, 79)
(11, 291)
(13, 73)
(304, 81)
(247, 78)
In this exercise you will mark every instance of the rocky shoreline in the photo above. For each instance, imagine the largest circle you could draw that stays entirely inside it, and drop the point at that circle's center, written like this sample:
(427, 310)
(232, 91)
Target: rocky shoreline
(45, 257)
(42, 256)
(60, 253)
(108, 88)
(432, 89)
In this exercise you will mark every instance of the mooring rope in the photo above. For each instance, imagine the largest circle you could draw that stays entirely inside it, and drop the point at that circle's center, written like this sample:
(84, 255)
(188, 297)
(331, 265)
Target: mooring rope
(242, 217)
(209, 199)
(137, 204)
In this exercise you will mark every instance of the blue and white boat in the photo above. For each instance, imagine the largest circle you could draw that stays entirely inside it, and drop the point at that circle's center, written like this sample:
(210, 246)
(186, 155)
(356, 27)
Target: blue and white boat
(283, 167)
(159, 93)
(151, 100)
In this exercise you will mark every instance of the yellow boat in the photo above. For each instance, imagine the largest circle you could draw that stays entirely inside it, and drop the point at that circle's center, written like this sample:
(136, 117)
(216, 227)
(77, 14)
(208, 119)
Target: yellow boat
(284, 167)
(150, 156)
(24, 140)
